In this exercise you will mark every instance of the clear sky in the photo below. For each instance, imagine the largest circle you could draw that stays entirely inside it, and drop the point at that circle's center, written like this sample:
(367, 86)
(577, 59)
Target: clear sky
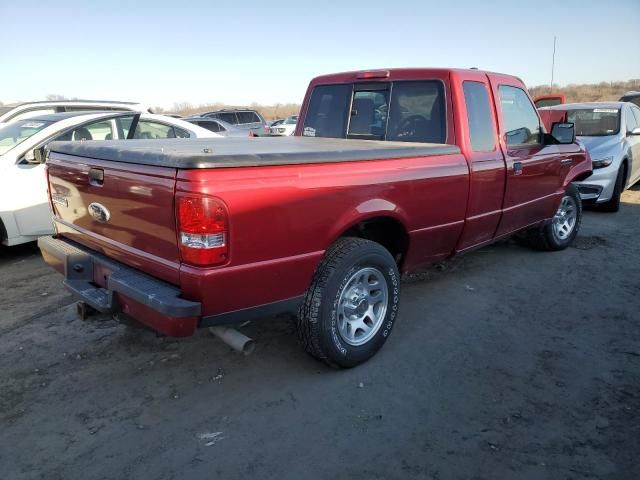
(238, 52)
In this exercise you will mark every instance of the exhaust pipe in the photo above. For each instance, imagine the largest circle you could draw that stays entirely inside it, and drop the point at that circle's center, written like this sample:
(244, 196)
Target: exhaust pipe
(234, 339)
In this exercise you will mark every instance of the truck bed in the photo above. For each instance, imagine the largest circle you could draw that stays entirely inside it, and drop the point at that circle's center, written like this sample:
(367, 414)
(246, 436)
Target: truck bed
(249, 152)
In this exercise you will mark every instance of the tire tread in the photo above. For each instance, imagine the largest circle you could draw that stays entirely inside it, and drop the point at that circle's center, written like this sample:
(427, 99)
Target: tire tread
(307, 321)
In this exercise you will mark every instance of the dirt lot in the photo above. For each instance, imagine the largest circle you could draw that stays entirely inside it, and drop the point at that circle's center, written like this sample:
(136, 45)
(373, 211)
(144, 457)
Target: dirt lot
(505, 364)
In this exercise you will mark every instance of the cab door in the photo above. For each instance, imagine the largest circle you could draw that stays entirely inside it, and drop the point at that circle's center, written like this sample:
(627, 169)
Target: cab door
(478, 129)
(534, 171)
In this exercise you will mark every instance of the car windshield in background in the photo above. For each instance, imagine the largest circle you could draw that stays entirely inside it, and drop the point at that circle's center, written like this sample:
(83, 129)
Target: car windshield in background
(291, 121)
(15, 133)
(595, 122)
(548, 102)
(407, 111)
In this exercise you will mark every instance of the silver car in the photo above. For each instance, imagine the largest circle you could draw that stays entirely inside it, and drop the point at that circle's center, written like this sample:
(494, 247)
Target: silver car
(218, 126)
(248, 120)
(611, 133)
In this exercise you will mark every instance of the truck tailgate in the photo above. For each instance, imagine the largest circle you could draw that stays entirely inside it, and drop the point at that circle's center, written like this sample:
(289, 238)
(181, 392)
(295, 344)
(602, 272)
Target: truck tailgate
(123, 210)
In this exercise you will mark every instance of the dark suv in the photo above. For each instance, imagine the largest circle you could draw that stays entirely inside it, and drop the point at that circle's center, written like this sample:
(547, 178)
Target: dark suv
(242, 118)
(633, 97)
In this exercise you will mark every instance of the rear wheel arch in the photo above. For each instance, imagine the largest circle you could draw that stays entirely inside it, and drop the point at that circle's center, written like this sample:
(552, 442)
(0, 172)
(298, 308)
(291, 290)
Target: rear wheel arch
(385, 230)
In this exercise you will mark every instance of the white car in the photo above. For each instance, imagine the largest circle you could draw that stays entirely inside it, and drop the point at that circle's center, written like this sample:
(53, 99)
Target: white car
(24, 206)
(286, 128)
(20, 111)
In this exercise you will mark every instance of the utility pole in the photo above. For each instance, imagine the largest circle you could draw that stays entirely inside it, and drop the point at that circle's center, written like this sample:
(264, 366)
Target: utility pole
(553, 62)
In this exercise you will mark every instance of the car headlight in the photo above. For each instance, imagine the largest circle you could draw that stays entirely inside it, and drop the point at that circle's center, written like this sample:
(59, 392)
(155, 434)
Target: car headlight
(602, 162)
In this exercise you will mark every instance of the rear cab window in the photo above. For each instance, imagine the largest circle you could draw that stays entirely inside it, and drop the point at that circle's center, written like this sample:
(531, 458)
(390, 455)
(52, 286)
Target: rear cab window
(479, 118)
(404, 111)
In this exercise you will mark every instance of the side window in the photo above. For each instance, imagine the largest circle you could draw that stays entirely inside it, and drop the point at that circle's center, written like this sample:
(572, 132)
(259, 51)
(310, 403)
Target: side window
(31, 113)
(153, 130)
(210, 125)
(180, 133)
(247, 117)
(327, 112)
(417, 112)
(123, 124)
(101, 130)
(521, 121)
(481, 124)
(228, 117)
(631, 120)
(369, 113)
(636, 112)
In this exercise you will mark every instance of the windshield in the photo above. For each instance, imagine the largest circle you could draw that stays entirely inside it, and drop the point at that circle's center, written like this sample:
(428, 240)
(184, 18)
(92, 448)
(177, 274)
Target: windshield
(291, 120)
(595, 122)
(15, 133)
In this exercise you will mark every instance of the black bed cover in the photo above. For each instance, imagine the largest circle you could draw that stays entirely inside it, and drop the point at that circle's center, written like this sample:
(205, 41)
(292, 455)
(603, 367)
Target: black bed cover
(246, 152)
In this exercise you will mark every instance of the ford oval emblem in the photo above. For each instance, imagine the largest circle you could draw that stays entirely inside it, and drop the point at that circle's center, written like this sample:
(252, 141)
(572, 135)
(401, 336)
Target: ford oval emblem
(99, 212)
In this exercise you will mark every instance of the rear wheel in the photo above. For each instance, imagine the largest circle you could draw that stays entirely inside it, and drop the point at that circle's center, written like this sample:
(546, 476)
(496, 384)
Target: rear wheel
(563, 228)
(613, 205)
(352, 303)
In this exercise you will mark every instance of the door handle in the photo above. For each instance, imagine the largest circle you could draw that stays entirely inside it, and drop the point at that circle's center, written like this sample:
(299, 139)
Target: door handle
(96, 176)
(517, 168)
(566, 161)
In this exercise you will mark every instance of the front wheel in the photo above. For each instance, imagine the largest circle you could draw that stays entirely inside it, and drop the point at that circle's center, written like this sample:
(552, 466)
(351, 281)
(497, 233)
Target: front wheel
(563, 228)
(352, 303)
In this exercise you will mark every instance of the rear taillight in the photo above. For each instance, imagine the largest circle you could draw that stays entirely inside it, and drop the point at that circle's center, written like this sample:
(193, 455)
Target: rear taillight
(266, 128)
(203, 230)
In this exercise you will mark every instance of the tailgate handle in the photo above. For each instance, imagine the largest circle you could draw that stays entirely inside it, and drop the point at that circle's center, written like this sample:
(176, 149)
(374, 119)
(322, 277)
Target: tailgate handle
(96, 176)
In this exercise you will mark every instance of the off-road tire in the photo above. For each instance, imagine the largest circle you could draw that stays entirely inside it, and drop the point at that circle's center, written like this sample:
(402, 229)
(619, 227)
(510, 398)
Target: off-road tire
(545, 238)
(317, 323)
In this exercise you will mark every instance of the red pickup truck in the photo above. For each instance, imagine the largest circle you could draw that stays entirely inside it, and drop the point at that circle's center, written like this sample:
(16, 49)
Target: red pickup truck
(389, 171)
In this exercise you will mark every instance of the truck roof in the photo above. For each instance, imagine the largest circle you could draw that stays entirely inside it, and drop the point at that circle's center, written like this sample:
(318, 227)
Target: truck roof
(245, 152)
(397, 73)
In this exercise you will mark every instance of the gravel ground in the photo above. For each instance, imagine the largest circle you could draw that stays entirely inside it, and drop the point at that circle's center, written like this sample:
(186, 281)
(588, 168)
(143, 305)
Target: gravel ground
(505, 364)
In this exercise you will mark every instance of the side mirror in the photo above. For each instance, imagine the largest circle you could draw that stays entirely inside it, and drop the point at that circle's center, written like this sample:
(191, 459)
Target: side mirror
(36, 156)
(635, 131)
(563, 133)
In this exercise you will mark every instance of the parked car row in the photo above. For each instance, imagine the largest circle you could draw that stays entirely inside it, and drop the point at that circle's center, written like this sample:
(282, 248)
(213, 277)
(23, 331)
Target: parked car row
(24, 205)
(285, 128)
(610, 131)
